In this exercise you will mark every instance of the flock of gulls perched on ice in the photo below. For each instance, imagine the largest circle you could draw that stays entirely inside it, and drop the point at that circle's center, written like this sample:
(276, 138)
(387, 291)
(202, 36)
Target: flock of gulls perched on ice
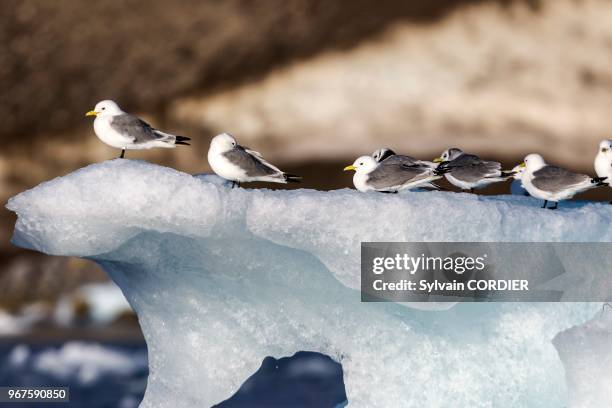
(383, 171)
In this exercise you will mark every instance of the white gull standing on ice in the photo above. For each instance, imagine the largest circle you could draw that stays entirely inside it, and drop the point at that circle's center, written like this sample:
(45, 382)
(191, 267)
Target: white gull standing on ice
(119, 129)
(552, 183)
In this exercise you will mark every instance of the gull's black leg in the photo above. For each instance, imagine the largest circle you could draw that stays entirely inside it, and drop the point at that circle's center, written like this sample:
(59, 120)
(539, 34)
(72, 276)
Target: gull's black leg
(555, 206)
(233, 183)
(472, 190)
(545, 203)
(238, 184)
(122, 154)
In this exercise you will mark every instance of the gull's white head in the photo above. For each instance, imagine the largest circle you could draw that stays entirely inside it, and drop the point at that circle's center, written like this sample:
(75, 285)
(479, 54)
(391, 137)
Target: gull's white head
(105, 108)
(381, 154)
(533, 162)
(448, 155)
(363, 165)
(223, 142)
(605, 148)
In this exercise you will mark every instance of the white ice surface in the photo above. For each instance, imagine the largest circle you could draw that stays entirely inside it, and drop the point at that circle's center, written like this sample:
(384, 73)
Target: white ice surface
(221, 278)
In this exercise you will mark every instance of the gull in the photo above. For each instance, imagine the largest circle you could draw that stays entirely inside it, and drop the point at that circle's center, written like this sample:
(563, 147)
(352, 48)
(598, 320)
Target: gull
(119, 129)
(603, 160)
(468, 171)
(239, 164)
(389, 156)
(552, 183)
(391, 175)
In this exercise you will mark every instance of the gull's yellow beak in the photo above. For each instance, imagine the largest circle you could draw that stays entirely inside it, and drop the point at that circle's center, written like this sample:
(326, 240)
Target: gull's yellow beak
(91, 113)
(351, 167)
(522, 165)
(438, 160)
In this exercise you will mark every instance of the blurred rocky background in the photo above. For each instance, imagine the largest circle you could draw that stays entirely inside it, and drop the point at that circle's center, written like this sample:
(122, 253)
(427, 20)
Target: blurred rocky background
(310, 83)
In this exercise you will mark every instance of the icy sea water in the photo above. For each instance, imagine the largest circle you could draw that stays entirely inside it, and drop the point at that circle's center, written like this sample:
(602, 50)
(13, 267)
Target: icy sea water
(115, 376)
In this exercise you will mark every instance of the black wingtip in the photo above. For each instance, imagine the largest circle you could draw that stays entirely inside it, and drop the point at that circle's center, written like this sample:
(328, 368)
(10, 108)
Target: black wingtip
(441, 171)
(442, 168)
(182, 140)
(508, 173)
(433, 187)
(292, 178)
(599, 181)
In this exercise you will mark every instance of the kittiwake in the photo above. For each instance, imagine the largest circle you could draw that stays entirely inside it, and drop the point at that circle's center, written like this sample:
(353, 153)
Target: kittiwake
(468, 171)
(552, 183)
(240, 164)
(391, 175)
(123, 131)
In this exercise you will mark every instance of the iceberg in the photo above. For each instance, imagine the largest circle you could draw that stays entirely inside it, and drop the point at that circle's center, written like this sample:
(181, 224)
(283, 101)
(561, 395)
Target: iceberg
(222, 278)
(586, 352)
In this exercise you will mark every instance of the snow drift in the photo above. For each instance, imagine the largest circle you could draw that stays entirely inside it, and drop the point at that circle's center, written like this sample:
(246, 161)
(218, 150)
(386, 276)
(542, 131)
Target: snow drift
(221, 278)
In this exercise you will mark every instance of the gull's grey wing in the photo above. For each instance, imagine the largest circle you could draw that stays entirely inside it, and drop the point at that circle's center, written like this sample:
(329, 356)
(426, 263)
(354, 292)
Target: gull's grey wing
(470, 168)
(393, 175)
(461, 161)
(253, 165)
(476, 171)
(465, 160)
(555, 179)
(136, 129)
(408, 161)
(400, 159)
(468, 160)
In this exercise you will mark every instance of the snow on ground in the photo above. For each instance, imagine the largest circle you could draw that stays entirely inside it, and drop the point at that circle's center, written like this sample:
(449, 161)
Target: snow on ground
(221, 278)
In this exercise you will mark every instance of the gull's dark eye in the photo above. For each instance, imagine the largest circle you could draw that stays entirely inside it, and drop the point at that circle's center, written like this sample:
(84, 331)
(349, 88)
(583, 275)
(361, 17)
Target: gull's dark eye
(103, 108)
(361, 164)
(603, 150)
